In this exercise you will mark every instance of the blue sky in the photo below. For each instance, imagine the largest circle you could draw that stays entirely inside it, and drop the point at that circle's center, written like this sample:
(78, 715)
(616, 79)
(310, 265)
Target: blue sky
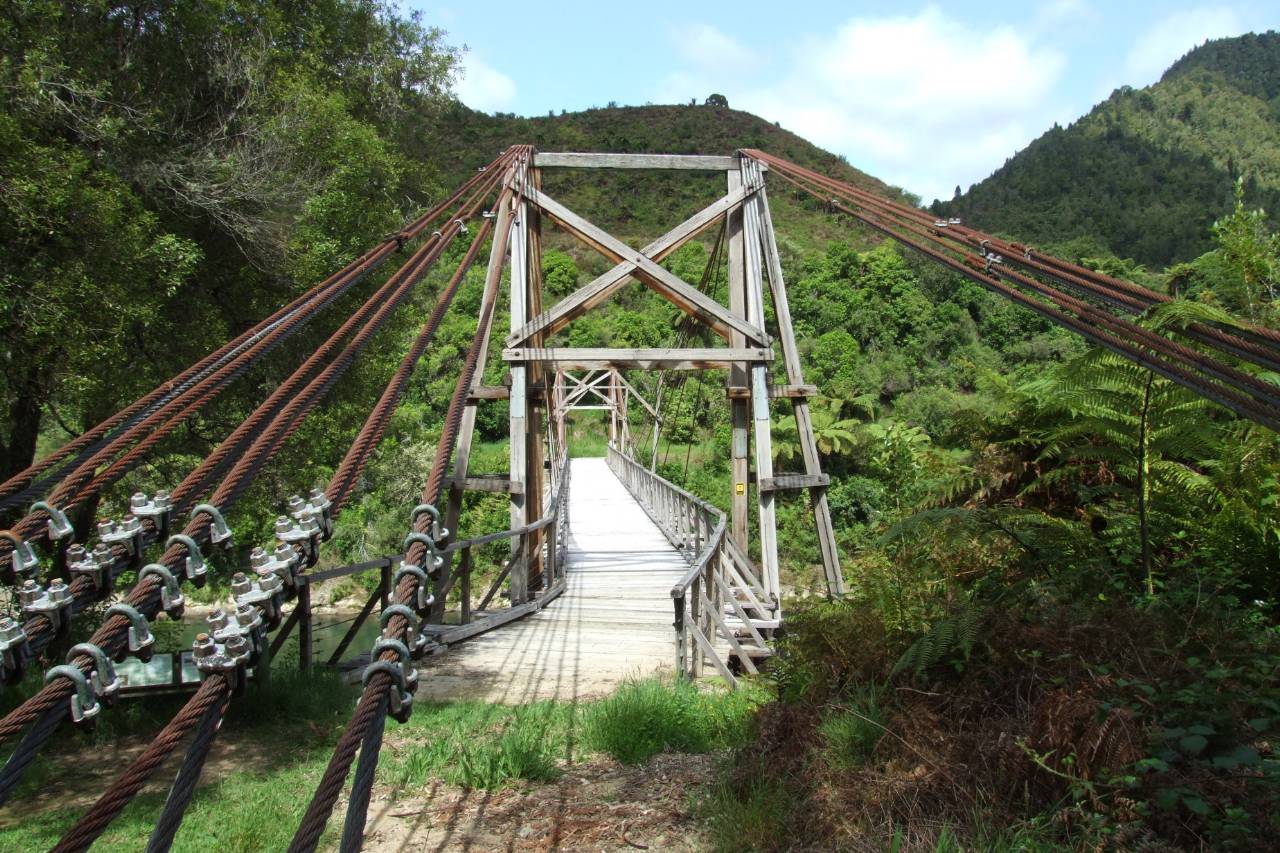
(923, 95)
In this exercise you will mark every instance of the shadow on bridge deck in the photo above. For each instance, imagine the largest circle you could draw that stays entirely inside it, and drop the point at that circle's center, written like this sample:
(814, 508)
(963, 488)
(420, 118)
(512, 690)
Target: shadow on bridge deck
(613, 621)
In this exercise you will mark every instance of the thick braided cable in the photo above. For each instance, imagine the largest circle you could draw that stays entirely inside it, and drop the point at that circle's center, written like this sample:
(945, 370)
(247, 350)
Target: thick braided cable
(187, 394)
(1170, 359)
(362, 785)
(144, 596)
(184, 784)
(222, 457)
(212, 693)
(27, 750)
(371, 434)
(327, 792)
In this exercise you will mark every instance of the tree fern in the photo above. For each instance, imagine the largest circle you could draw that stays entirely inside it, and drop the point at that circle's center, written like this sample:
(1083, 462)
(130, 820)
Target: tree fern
(955, 634)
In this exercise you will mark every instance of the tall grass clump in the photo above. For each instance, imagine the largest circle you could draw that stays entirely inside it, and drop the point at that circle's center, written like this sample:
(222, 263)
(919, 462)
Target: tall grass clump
(645, 717)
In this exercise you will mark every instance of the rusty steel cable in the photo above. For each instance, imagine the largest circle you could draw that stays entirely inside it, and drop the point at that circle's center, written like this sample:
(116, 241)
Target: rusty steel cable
(361, 449)
(349, 469)
(184, 784)
(1255, 389)
(145, 595)
(1252, 343)
(1172, 360)
(191, 394)
(212, 694)
(380, 305)
(371, 707)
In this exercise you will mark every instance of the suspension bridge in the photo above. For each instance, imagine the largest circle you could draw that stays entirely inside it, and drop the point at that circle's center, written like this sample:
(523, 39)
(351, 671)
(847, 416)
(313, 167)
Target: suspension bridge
(608, 569)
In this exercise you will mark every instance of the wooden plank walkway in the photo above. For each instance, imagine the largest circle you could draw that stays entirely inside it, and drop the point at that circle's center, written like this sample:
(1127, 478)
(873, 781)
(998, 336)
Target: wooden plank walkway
(614, 619)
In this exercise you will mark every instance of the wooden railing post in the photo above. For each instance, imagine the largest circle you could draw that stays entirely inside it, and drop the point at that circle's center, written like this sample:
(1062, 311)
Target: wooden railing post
(304, 627)
(465, 593)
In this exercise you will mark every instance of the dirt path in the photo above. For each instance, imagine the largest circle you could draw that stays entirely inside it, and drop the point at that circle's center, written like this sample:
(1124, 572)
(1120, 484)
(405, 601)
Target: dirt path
(598, 805)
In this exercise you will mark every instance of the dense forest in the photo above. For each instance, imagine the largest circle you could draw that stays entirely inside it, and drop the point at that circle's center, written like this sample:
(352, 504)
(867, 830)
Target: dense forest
(1061, 628)
(1146, 172)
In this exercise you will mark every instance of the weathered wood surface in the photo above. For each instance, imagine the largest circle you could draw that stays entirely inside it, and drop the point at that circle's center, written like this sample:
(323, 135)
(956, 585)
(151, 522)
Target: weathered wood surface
(591, 160)
(613, 621)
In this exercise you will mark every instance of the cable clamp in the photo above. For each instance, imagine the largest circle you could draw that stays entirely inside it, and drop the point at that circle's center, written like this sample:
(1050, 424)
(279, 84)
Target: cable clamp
(982, 247)
(992, 260)
(302, 532)
(59, 526)
(955, 220)
(84, 705)
(141, 640)
(440, 534)
(219, 532)
(159, 509)
(226, 659)
(488, 214)
(425, 598)
(401, 699)
(403, 658)
(436, 561)
(321, 509)
(243, 624)
(126, 534)
(23, 560)
(462, 226)
(15, 650)
(264, 593)
(282, 562)
(194, 566)
(939, 223)
(105, 683)
(481, 169)
(415, 642)
(82, 562)
(53, 603)
(171, 600)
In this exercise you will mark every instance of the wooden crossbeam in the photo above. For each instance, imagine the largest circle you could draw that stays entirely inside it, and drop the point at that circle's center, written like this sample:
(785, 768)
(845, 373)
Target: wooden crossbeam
(661, 281)
(576, 160)
(496, 483)
(569, 358)
(787, 482)
(776, 392)
(489, 392)
(592, 294)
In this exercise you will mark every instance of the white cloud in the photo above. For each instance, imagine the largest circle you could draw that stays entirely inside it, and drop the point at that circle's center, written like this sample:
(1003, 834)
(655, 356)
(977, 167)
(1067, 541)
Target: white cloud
(704, 46)
(483, 87)
(1173, 36)
(924, 101)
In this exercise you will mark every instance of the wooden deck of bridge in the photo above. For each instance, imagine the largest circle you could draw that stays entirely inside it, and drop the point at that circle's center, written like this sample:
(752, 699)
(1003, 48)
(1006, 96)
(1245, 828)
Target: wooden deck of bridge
(613, 621)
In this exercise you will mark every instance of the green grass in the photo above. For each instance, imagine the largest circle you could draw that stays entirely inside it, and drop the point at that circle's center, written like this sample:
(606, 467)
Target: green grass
(851, 733)
(746, 819)
(646, 717)
(477, 745)
(298, 718)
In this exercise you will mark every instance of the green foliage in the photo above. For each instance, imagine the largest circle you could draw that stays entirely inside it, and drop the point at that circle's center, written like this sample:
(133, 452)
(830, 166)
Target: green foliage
(1148, 171)
(852, 730)
(646, 717)
(956, 634)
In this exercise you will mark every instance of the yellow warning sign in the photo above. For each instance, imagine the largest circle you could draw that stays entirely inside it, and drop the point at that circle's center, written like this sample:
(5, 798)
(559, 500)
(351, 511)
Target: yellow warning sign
(740, 488)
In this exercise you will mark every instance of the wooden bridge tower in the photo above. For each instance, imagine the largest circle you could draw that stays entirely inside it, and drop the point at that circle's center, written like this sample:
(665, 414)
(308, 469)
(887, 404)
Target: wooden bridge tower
(542, 388)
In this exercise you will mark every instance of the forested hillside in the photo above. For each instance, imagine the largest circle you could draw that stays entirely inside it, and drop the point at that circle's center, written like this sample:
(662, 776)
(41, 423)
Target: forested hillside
(1147, 171)
(1061, 627)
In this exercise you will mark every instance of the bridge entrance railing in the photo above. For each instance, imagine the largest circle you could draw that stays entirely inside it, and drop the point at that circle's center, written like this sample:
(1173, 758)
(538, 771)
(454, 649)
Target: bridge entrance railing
(721, 611)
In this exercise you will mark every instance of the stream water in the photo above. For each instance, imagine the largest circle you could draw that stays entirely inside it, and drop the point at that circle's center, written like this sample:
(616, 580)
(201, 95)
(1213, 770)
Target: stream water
(328, 628)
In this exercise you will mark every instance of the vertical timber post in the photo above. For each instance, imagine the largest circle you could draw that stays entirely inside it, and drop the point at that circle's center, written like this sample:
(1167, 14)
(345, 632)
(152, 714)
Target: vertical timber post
(518, 580)
(754, 281)
(535, 377)
(462, 456)
(795, 376)
(739, 530)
